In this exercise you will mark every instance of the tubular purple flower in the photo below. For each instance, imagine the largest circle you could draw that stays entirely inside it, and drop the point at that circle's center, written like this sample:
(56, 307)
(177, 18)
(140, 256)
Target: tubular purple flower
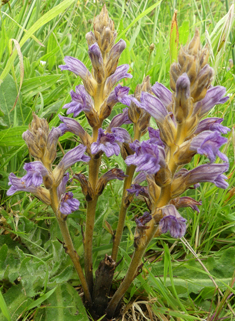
(146, 157)
(119, 94)
(120, 73)
(68, 204)
(143, 220)
(120, 119)
(173, 222)
(153, 106)
(213, 124)
(81, 101)
(76, 66)
(162, 93)
(35, 173)
(117, 49)
(138, 190)
(75, 155)
(154, 135)
(95, 56)
(208, 143)
(62, 187)
(106, 143)
(214, 96)
(212, 173)
(121, 135)
(17, 184)
(74, 127)
(183, 86)
(186, 201)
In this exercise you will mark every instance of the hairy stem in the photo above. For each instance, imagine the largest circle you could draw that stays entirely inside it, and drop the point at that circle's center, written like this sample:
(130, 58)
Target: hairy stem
(123, 209)
(68, 244)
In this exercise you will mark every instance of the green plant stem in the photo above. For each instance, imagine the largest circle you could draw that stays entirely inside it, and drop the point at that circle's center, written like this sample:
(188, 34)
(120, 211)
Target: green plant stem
(123, 209)
(138, 254)
(68, 244)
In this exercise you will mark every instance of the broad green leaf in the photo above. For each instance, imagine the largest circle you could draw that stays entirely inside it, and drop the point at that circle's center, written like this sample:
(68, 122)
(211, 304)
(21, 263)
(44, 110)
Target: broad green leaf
(184, 32)
(63, 305)
(16, 302)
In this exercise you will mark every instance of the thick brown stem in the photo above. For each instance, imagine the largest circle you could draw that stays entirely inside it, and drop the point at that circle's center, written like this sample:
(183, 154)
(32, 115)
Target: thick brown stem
(103, 281)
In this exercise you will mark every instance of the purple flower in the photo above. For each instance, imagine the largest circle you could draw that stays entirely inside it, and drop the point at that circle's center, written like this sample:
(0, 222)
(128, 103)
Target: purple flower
(207, 173)
(208, 143)
(120, 73)
(146, 157)
(81, 101)
(186, 201)
(162, 93)
(121, 135)
(142, 220)
(153, 106)
(75, 155)
(214, 96)
(213, 124)
(120, 119)
(95, 56)
(35, 173)
(154, 135)
(173, 222)
(76, 66)
(138, 190)
(62, 187)
(106, 143)
(119, 94)
(17, 184)
(68, 204)
(74, 127)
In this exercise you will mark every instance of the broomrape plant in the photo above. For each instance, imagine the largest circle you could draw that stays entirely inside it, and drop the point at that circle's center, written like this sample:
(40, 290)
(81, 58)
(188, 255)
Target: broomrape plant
(181, 132)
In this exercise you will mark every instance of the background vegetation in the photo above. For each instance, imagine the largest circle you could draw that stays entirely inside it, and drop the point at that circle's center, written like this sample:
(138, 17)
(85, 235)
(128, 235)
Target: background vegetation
(187, 279)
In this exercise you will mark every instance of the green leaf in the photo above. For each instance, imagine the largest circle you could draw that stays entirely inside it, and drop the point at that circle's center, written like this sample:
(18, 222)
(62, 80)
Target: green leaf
(184, 32)
(8, 94)
(16, 302)
(12, 136)
(64, 304)
(38, 24)
(4, 308)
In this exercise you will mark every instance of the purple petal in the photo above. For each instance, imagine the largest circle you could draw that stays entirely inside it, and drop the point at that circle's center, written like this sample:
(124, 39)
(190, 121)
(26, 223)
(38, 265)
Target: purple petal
(68, 204)
(120, 119)
(164, 94)
(18, 185)
(153, 106)
(120, 73)
(172, 222)
(95, 56)
(213, 97)
(62, 187)
(121, 135)
(213, 124)
(75, 155)
(76, 66)
(208, 143)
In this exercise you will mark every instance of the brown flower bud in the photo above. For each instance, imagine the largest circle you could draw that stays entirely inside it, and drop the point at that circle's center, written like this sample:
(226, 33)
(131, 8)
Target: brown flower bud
(168, 131)
(194, 45)
(163, 177)
(153, 190)
(85, 185)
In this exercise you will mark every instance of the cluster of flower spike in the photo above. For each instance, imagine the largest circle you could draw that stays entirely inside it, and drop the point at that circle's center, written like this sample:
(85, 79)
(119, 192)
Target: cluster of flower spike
(181, 132)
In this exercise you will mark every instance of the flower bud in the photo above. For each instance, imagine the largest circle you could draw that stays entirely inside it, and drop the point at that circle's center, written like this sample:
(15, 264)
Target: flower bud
(85, 185)
(90, 38)
(114, 173)
(163, 177)
(182, 98)
(97, 62)
(104, 30)
(153, 190)
(194, 45)
(204, 80)
(113, 58)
